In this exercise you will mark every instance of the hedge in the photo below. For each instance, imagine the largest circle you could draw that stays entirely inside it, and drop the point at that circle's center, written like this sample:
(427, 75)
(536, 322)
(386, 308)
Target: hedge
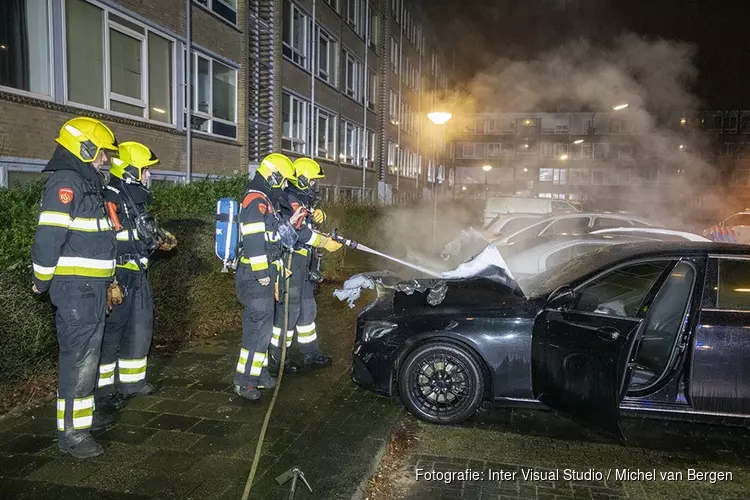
(192, 297)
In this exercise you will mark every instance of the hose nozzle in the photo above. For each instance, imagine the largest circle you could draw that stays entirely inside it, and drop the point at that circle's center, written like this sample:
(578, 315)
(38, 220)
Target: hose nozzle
(346, 242)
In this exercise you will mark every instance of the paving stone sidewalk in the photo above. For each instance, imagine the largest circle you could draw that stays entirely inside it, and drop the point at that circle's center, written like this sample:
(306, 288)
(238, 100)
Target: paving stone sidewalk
(195, 439)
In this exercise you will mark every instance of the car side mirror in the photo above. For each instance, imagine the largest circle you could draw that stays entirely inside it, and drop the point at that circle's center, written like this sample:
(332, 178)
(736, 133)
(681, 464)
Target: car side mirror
(562, 298)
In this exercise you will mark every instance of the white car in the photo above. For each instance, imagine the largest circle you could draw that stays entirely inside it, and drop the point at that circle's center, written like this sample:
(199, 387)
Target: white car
(572, 224)
(526, 260)
(733, 229)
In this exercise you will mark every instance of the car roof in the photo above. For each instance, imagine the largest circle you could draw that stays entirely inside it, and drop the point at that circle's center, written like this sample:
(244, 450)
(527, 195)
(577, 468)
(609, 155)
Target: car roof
(643, 231)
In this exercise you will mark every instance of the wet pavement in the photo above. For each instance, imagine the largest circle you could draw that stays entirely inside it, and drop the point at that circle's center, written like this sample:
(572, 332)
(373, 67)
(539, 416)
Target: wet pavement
(196, 439)
(503, 448)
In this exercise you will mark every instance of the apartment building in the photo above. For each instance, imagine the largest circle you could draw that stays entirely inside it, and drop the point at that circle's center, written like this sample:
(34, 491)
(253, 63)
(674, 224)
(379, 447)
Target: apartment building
(356, 75)
(125, 63)
(602, 157)
(345, 81)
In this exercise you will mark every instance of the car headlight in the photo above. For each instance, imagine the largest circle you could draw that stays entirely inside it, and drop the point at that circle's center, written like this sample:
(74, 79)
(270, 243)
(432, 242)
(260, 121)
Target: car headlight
(377, 329)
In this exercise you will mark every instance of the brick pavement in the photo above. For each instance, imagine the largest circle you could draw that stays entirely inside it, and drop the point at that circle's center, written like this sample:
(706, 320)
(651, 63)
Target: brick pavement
(196, 439)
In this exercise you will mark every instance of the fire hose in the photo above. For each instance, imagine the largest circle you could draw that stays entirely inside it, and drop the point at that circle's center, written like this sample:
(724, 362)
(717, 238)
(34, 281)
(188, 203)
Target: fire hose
(267, 419)
(359, 246)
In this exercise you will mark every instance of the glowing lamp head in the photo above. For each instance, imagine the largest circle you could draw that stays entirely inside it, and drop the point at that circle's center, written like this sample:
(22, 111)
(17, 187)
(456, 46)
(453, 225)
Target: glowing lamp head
(439, 117)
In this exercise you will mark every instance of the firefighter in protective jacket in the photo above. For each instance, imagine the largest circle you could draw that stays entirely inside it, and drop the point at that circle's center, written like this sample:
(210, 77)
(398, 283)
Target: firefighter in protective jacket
(73, 258)
(129, 326)
(258, 272)
(301, 194)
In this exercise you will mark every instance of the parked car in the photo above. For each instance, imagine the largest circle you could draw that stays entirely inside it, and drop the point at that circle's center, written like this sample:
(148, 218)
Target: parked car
(733, 229)
(504, 205)
(504, 225)
(660, 234)
(536, 255)
(572, 224)
(657, 328)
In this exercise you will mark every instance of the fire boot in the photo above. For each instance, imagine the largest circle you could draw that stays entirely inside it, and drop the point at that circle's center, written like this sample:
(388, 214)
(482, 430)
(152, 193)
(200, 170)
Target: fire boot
(314, 361)
(274, 363)
(102, 421)
(249, 393)
(80, 445)
(114, 401)
(266, 381)
(147, 390)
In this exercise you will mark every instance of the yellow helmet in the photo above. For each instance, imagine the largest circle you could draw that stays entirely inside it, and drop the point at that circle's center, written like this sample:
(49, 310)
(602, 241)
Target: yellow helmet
(276, 168)
(134, 159)
(306, 170)
(85, 137)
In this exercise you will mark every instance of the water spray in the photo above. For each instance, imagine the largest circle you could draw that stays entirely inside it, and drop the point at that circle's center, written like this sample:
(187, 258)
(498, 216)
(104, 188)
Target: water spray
(359, 246)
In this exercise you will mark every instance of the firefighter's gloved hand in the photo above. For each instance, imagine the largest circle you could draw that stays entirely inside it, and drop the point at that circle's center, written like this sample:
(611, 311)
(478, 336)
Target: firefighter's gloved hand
(332, 245)
(167, 242)
(265, 281)
(114, 295)
(319, 216)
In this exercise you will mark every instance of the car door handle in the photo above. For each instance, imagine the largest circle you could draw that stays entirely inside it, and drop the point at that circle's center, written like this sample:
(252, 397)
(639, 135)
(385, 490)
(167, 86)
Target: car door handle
(608, 333)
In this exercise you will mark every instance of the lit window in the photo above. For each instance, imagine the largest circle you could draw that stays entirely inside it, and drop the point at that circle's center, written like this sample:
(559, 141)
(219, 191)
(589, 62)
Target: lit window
(372, 91)
(350, 143)
(24, 46)
(373, 27)
(134, 52)
(326, 135)
(395, 55)
(214, 105)
(294, 124)
(353, 80)
(327, 57)
(295, 34)
(223, 8)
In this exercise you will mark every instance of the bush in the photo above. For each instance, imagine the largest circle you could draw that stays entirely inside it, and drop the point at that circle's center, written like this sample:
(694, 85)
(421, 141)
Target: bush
(192, 297)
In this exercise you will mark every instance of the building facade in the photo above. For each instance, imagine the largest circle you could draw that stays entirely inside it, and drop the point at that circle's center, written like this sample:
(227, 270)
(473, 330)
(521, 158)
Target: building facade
(305, 77)
(604, 158)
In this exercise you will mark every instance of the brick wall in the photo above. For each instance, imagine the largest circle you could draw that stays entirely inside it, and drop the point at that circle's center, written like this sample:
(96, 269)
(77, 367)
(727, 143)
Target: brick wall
(29, 130)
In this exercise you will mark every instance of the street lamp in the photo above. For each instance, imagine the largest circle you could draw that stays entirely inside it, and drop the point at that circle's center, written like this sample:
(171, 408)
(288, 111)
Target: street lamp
(579, 141)
(620, 106)
(486, 169)
(438, 118)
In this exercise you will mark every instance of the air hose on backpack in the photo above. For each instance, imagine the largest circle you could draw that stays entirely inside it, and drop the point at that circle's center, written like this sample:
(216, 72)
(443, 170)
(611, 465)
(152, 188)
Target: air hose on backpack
(267, 419)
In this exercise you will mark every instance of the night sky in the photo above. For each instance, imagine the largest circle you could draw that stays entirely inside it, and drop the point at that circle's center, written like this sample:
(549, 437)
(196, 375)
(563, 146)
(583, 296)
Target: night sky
(481, 30)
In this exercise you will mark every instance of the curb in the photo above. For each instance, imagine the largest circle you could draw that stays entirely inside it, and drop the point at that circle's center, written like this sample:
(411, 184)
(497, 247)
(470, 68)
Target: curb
(377, 458)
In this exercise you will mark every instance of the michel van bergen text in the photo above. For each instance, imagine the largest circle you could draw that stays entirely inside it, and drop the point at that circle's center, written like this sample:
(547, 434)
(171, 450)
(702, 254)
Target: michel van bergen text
(530, 474)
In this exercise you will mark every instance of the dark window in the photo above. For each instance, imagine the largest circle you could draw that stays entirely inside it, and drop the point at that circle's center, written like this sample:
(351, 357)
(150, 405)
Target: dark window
(663, 325)
(568, 226)
(609, 222)
(734, 285)
(738, 220)
(620, 292)
(517, 224)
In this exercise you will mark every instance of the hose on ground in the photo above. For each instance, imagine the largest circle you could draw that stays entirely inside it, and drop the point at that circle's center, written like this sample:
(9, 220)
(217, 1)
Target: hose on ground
(267, 419)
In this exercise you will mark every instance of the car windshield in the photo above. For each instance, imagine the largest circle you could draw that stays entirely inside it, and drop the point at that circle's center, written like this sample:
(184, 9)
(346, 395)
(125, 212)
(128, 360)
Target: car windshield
(569, 272)
(738, 220)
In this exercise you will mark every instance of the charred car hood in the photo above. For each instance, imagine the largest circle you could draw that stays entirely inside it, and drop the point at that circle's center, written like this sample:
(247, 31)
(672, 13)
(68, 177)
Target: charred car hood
(478, 293)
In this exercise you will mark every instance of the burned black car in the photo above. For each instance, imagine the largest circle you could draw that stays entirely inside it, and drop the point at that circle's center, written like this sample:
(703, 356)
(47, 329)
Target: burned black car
(650, 327)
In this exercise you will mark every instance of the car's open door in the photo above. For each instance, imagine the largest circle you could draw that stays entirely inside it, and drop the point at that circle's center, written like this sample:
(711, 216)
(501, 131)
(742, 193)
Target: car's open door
(584, 344)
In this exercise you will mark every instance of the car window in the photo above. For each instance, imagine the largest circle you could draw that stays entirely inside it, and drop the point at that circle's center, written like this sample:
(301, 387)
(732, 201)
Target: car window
(733, 288)
(571, 252)
(561, 206)
(515, 225)
(663, 325)
(738, 220)
(565, 227)
(610, 222)
(639, 224)
(620, 292)
(529, 232)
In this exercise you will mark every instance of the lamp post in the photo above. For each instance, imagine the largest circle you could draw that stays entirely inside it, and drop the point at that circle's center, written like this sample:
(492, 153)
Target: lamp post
(438, 118)
(486, 169)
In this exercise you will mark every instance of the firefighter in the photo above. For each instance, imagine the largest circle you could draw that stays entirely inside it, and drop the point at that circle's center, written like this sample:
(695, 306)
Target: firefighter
(73, 257)
(257, 277)
(129, 326)
(301, 193)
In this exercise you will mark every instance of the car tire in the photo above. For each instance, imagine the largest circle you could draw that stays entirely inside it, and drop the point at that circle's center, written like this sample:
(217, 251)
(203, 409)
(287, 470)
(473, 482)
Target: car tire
(441, 383)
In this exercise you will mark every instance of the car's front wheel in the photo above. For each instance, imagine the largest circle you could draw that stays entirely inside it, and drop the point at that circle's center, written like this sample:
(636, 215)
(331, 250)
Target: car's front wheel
(441, 383)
